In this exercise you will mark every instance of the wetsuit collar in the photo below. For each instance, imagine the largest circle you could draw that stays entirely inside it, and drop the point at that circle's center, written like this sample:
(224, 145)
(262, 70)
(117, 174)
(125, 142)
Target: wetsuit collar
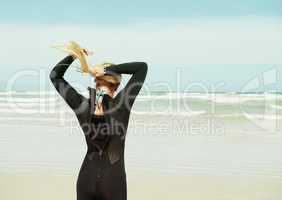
(92, 94)
(92, 97)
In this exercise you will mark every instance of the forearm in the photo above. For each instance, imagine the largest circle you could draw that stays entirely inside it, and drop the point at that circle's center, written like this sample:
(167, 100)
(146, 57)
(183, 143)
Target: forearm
(127, 68)
(69, 94)
(60, 68)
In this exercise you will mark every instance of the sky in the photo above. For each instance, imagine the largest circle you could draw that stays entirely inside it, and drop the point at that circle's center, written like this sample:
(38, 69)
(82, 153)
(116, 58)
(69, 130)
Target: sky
(209, 41)
(98, 11)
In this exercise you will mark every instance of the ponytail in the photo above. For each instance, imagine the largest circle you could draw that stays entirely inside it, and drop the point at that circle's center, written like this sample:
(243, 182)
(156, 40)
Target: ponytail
(74, 49)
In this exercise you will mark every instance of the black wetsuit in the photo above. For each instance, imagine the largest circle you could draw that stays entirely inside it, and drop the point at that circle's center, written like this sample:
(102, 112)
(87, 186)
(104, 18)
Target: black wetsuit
(102, 174)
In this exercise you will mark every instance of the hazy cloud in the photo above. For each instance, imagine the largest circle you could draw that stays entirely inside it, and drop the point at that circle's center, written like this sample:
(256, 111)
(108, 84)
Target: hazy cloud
(245, 40)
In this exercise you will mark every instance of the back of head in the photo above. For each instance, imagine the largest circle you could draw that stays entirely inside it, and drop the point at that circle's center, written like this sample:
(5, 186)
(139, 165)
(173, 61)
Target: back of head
(113, 79)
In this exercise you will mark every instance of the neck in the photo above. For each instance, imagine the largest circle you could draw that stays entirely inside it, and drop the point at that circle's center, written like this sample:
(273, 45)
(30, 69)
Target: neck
(106, 90)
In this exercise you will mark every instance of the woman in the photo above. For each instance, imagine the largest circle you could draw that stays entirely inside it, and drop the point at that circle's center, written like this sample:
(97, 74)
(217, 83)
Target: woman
(103, 118)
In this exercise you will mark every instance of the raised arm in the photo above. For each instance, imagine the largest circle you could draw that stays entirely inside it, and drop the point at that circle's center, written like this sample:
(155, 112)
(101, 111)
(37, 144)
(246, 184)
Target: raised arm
(69, 94)
(134, 85)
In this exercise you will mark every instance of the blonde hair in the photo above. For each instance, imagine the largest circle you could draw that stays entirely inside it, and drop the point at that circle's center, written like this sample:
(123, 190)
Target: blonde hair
(114, 79)
(75, 49)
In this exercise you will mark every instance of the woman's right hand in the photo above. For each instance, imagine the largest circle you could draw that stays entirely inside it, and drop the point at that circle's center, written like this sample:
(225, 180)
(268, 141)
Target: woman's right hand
(76, 51)
(87, 52)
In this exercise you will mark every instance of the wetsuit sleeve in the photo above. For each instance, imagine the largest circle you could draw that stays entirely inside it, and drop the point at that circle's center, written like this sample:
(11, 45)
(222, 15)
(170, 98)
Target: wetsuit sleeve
(69, 94)
(138, 70)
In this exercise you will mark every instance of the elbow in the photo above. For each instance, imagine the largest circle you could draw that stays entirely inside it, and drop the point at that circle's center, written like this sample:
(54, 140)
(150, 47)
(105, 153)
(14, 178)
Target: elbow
(144, 66)
(52, 76)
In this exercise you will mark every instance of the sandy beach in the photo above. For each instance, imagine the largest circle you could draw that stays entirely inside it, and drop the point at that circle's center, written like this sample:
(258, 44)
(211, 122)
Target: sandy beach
(147, 186)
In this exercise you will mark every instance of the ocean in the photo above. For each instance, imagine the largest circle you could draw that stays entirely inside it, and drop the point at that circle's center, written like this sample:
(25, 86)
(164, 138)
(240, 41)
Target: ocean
(180, 133)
